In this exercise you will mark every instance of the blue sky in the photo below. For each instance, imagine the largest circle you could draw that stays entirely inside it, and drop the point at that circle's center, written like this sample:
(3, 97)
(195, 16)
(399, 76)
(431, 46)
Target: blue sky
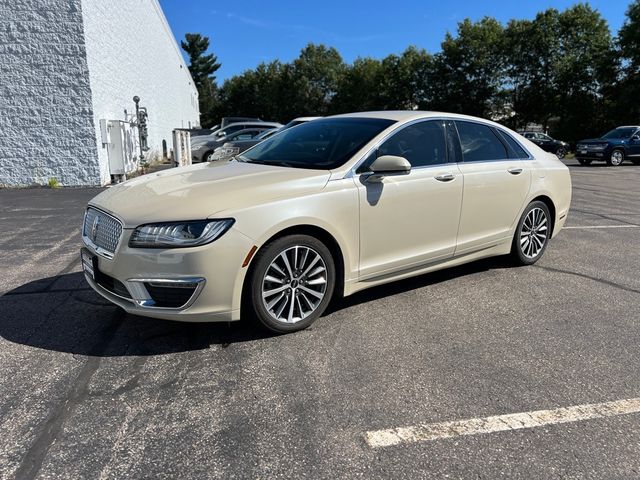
(243, 34)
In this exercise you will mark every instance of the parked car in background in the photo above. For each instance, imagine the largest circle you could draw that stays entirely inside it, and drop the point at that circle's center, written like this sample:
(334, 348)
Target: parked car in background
(325, 209)
(229, 149)
(203, 151)
(229, 120)
(231, 128)
(198, 132)
(547, 143)
(614, 147)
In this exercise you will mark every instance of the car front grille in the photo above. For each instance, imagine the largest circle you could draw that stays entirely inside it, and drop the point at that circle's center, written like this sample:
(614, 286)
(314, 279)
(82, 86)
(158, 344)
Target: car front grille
(101, 229)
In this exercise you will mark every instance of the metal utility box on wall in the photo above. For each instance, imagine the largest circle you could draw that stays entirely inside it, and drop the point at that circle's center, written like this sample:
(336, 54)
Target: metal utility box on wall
(121, 148)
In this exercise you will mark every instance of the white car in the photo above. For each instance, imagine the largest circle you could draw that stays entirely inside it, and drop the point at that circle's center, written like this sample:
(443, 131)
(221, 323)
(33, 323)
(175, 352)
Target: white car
(328, 208)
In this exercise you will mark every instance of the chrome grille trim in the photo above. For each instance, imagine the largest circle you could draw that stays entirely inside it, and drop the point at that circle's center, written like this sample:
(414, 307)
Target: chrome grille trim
(101, 231)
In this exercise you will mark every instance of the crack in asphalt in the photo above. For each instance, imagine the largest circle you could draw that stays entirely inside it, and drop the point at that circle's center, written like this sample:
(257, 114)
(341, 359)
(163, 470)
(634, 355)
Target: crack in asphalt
(589, 277)
(605, 216)
(53, 425)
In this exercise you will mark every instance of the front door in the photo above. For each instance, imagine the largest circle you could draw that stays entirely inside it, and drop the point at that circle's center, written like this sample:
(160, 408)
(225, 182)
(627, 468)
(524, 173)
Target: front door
(410, 220)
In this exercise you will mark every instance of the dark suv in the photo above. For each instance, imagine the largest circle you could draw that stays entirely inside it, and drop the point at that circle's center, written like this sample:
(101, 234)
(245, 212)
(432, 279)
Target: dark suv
(547, 143)
(614, 148)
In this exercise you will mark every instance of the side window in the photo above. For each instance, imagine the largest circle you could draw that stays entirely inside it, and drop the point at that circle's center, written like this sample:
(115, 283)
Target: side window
(479, 143)
(516, 151)
(246, 135)
(422, 144)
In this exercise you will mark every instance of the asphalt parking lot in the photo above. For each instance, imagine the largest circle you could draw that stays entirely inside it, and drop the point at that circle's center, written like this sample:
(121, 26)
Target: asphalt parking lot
(90, 392)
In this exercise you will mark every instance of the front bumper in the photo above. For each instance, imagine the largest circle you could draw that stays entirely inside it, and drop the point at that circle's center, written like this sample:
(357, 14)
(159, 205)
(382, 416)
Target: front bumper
(214, 270)
(589, 154)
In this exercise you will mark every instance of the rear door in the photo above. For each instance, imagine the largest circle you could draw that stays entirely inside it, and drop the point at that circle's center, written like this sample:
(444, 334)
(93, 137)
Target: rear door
(496, 185)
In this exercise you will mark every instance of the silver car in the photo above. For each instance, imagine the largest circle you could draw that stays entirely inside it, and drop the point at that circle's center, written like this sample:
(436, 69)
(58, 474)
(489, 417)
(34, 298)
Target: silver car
(202, 151)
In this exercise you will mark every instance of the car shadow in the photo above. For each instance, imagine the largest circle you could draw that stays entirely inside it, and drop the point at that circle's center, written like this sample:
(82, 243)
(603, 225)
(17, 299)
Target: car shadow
(421, 281)
(64, 314)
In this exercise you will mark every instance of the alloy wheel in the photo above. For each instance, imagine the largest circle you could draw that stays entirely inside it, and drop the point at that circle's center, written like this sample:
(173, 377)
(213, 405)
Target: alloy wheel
(294, 284)
(534, 233)
(617, 157)
(561, 153)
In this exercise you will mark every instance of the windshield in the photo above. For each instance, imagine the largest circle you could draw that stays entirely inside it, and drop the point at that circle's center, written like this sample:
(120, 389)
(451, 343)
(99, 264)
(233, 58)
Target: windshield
(322, 144)
(620, 132)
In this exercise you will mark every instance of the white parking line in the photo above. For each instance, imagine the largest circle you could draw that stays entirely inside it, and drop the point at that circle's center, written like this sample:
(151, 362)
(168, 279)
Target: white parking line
(500, 423)
(600, 226)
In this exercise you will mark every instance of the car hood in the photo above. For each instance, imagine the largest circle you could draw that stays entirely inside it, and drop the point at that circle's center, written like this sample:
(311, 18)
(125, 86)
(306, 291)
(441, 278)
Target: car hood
(205, 190)
(590, 141)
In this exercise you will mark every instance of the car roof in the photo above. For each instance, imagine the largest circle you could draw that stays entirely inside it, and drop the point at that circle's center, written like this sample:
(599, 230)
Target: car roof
(407, 115)
(628, 126)
(305, 119)
(254, 123)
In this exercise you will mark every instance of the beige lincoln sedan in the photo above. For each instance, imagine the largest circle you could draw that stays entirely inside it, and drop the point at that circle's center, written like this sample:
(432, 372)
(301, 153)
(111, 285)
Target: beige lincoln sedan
(324, 209)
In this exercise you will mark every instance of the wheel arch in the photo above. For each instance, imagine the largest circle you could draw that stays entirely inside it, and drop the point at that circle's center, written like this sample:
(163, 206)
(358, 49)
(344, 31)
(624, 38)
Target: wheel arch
(550, 205)
(313, 231)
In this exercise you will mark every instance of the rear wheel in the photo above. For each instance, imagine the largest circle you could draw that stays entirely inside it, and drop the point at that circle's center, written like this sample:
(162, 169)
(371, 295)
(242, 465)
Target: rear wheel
(292, 282)
(561, 152)
(616, 158)
(532, 234)
(584, 161)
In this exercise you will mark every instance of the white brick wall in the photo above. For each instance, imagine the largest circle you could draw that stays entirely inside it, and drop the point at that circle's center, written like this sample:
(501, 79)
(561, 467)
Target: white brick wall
(65, 64)
(46, 118)
(131, 51)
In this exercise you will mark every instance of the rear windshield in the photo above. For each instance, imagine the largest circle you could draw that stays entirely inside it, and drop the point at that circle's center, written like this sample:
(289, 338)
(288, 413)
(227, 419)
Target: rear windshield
(322, 144)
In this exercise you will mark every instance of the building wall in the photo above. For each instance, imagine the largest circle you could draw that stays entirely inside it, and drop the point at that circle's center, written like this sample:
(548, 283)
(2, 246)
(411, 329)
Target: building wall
(46, 117)
(131, 51)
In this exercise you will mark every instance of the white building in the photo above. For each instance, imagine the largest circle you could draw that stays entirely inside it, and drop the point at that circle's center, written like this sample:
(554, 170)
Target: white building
(65, 65)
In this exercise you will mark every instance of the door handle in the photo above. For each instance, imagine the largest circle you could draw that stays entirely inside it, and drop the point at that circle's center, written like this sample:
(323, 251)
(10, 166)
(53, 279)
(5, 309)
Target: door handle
(445, 177)
(515, 171)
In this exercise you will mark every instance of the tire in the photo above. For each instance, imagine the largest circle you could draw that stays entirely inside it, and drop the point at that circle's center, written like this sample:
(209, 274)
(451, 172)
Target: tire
(287, 296)
(561, 152)
(207, 156)
(616, 158)
(584, 161)
(530, 243)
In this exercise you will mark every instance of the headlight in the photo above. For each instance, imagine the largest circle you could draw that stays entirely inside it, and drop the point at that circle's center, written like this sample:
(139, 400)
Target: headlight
(179, 234)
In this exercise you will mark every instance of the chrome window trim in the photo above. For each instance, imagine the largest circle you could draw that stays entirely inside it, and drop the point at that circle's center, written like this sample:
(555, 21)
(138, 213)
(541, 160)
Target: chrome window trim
(352, 173)
(143, 300)
(99, 250)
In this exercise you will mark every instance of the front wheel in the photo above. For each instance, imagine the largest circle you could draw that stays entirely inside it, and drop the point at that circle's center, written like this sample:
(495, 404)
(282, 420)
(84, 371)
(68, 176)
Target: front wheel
(532, 234)
(292, 282)
(616, 158)
(561, 153)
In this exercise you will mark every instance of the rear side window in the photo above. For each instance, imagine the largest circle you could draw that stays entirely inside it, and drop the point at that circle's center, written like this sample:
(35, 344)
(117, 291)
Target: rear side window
(516, 151)
(422, 144)
(479, 143)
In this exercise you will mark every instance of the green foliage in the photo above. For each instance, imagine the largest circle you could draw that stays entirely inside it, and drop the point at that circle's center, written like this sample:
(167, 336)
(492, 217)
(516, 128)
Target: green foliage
(625, 96)
(53, 183)
(468, 73)
(202, 68)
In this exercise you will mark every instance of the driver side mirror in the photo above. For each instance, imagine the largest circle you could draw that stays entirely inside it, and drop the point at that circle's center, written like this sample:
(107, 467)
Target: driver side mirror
(388, 165)
(221, 134)
(635, 137)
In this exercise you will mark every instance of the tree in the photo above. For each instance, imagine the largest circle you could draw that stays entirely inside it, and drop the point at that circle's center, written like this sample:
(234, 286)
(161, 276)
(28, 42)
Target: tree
(468, 74)
(625, 107)
(202, 68)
